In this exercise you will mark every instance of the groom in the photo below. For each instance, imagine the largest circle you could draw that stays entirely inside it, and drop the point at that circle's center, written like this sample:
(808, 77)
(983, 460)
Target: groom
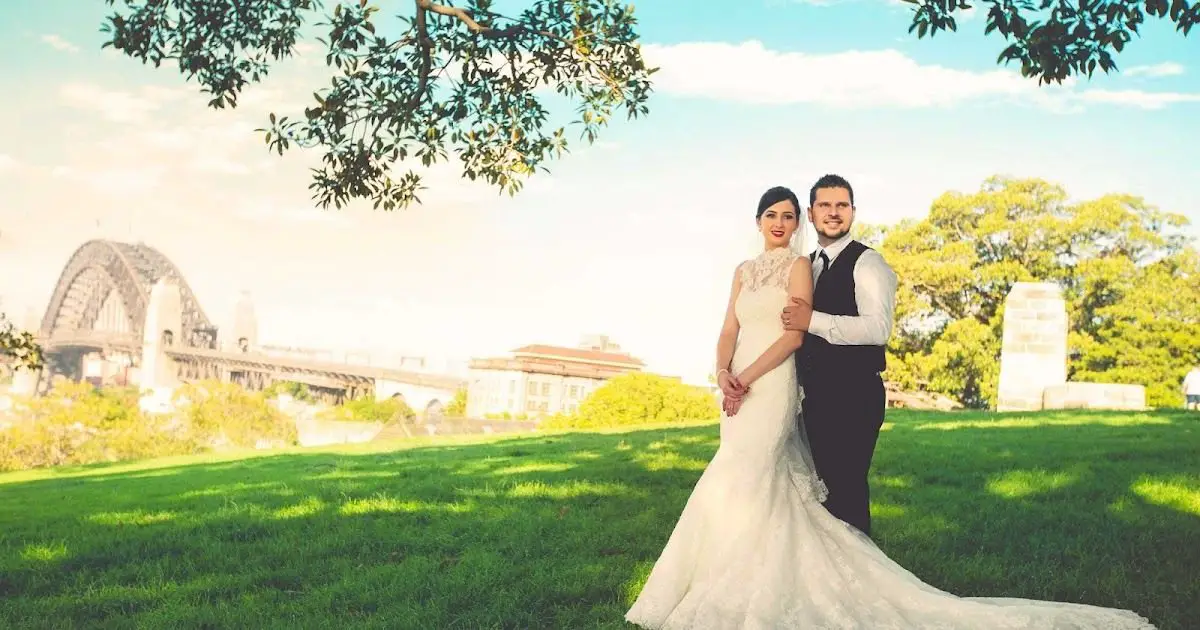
(840, 363)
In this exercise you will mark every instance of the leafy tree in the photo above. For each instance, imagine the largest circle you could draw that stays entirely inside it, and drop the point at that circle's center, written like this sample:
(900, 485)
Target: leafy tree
(219, 413)
(1056, 39)
(76, 423)
(640, 398)
(367, 409)
(458, 405)
(455, 79)
(1151, 336)
(469, 81)
(298, 391)
(19, 346)
(1129, 276)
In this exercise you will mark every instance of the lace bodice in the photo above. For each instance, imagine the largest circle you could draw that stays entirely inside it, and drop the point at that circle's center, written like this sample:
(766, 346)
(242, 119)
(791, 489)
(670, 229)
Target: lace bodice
(772, 268)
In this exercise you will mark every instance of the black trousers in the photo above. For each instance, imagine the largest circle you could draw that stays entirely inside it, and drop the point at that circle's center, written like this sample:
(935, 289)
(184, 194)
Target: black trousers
(843, 414)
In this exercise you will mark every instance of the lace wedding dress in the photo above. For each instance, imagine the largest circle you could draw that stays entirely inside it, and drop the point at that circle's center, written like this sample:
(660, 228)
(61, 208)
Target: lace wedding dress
(755, 549)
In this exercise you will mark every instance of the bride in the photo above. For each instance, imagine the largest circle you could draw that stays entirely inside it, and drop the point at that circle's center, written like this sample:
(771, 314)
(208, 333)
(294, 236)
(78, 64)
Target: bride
(754, 548)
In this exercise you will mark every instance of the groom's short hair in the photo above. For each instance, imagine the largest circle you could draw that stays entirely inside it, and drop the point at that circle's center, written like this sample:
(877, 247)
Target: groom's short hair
(830, 181)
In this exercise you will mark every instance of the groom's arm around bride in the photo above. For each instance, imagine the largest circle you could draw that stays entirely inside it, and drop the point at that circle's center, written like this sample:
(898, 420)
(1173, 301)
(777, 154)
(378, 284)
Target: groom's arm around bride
(875, 286)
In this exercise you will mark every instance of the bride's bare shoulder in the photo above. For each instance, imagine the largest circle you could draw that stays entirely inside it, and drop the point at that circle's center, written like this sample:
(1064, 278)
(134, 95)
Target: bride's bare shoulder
(739, 272)
(801, 263)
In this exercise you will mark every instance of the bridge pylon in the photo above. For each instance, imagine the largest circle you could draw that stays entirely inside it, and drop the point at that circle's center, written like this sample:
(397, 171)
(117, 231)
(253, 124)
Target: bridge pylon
(162, 330)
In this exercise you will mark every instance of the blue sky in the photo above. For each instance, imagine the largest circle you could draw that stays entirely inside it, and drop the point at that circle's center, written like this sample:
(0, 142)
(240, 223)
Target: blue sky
(635, 237)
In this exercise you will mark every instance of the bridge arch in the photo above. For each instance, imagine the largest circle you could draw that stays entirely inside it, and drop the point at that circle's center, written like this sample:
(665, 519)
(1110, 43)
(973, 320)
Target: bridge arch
(108, 280)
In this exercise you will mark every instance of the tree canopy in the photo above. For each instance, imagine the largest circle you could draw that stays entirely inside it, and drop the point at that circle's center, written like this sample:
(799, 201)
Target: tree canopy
(1056, 39)
(467, 81)
(1130, 277)
(19, 346)
(472, 82)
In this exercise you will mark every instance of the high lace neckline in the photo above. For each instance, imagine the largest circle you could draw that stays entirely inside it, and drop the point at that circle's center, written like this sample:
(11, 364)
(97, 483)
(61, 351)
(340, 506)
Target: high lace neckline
(770, 268)
(775, 252)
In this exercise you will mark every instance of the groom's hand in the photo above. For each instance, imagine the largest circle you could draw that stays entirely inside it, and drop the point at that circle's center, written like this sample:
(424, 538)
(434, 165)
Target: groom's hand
(797, 315)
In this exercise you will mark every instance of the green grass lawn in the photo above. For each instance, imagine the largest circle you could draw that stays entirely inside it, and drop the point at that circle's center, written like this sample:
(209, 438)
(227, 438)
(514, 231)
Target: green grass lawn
(559, 530)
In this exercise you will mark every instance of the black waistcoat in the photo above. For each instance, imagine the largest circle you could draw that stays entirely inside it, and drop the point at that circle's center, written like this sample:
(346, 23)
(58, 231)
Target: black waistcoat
(834, 295)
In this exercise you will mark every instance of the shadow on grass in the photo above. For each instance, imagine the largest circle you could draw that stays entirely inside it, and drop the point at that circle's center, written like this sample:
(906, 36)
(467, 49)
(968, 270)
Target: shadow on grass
(559, 530)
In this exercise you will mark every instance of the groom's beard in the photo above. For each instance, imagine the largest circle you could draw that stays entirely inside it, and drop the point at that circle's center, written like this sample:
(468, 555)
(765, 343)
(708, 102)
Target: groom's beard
(833, 236)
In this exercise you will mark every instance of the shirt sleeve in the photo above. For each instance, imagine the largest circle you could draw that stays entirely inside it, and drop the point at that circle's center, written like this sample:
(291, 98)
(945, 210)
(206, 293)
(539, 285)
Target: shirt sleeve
(875, 293)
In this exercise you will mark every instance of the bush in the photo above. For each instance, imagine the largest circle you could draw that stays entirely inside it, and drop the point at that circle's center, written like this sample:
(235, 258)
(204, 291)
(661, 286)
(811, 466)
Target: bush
(640, 398)
(76, 423)
(216, 413)
(368, 409)
(457, 407)
(298, 391)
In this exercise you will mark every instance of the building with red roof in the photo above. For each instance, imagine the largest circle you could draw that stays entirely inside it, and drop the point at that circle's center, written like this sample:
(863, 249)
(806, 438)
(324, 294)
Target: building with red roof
(539, 379)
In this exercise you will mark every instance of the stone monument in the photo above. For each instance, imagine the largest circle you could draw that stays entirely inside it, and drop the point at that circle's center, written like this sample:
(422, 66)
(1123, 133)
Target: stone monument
(1033, 354)
(1094, 396)
(1033, 358)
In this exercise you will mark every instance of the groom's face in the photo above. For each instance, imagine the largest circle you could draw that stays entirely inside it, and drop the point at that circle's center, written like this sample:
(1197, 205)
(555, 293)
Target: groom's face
(832, 213)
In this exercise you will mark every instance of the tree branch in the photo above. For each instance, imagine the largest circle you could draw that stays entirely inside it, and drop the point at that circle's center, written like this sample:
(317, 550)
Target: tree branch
(464, 16)
(426, 45)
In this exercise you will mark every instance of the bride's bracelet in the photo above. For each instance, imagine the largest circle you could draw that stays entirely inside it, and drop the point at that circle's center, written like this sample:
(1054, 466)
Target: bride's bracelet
(725, 370)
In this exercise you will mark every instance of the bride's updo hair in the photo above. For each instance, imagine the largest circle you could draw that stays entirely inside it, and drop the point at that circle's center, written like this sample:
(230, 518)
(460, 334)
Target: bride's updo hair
(774, 196)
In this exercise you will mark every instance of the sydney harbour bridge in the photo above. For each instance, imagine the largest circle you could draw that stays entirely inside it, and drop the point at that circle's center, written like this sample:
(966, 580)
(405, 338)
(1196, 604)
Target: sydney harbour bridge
(127, 307)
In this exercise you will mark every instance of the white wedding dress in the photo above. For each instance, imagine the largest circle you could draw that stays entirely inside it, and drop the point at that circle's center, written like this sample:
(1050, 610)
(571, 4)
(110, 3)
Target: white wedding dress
(755, 549)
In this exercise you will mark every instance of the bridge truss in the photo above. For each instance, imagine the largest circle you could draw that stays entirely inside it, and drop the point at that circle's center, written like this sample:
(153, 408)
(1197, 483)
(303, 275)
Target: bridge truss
(100, 304)
(102, 295)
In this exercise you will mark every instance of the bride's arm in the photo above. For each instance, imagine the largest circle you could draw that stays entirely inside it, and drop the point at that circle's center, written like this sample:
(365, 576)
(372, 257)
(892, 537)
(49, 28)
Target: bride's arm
(800, 286)
(727, 342)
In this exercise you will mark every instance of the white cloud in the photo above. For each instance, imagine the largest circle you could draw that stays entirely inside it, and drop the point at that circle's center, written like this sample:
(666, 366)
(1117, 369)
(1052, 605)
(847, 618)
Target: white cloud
(58, 43)
(117, 105)
(1165, 69)
(208, 147)
(751, 73)
(118, 181)
(173, 133)
(961, 14)
(271, 212)
(1138, 98)
(289, 101)
(8, 163)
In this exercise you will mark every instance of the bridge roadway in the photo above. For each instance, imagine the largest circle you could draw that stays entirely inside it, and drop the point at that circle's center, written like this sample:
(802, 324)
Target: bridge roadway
(279, 367)
(258, 362)
(109, 341)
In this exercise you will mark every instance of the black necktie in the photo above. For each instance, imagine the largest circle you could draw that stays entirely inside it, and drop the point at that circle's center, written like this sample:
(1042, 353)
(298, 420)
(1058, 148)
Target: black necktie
(824, 262)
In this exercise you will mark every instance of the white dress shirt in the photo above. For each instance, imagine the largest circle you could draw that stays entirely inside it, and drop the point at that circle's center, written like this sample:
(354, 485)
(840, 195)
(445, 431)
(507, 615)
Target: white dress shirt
(875, 293)
(1191, 383)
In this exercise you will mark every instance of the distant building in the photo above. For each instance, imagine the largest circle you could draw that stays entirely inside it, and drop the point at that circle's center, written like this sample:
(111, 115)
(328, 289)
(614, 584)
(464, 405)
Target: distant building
(539, 380)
